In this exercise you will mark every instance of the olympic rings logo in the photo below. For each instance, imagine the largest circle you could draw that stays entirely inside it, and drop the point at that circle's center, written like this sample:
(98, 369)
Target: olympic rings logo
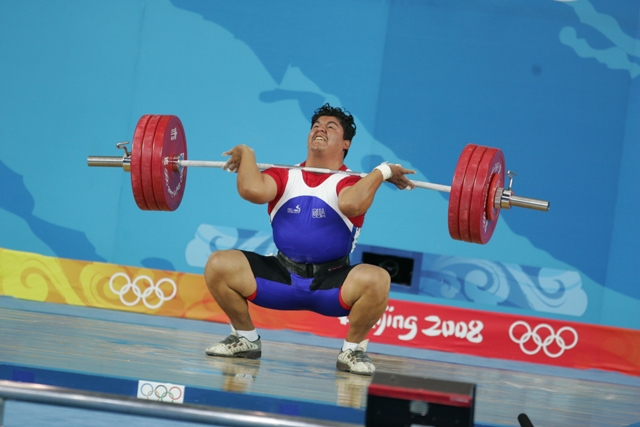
(541, 343)
(139, 293)
(160, 391)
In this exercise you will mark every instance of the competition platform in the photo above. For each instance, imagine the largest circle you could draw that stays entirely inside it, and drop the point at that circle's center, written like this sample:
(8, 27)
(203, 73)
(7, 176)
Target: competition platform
(158, 358)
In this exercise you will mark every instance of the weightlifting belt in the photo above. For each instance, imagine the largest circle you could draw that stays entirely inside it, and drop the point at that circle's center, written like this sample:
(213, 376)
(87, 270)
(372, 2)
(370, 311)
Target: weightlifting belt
(308, 271)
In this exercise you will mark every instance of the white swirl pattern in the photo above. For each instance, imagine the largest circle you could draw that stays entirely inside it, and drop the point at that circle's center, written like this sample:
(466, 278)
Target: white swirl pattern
(493, 283)
(209, 238)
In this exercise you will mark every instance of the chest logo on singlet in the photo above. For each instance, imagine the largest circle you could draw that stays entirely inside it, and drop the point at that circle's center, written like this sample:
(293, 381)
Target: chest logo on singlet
(295, 210)
(318, 213)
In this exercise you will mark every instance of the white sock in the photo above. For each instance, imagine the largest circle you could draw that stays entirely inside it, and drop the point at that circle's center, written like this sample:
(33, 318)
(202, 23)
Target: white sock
(250, 335)
(349, 345)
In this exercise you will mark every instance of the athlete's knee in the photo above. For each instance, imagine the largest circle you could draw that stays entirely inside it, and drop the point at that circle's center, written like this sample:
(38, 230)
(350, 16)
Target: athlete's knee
(373, 281)
(217, 267)
(378, 278)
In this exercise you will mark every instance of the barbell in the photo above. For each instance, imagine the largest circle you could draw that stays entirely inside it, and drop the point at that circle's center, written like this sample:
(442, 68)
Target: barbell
(158, 166)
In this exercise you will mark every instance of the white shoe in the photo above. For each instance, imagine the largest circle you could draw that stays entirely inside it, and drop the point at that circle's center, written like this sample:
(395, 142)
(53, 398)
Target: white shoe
(235, 346)
(356, 361)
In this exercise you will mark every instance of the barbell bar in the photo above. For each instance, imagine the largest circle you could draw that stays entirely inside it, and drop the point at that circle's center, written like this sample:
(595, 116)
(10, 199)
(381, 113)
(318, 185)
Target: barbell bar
(158, 165)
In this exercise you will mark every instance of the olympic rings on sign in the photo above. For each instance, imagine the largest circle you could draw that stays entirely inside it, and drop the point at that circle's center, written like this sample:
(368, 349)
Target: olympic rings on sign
(543, 344)
(153, 288)
(160, 391)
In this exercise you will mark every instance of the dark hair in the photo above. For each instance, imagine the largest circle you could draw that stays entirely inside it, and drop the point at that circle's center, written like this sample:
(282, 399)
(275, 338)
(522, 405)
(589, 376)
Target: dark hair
(346, 120)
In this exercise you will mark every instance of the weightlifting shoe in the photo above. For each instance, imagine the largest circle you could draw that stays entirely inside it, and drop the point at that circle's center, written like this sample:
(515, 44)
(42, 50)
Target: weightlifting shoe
(235, 346)
(356, 361)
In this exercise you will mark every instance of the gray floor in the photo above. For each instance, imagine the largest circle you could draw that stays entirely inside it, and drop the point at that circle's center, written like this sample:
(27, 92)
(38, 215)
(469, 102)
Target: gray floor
(121, 346)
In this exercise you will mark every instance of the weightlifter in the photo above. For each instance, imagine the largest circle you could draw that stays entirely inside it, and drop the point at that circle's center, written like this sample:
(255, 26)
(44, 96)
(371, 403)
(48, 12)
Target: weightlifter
(316, 219)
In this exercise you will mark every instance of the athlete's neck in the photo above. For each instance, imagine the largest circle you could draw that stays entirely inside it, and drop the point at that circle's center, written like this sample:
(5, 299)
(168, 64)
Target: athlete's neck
(319, 161)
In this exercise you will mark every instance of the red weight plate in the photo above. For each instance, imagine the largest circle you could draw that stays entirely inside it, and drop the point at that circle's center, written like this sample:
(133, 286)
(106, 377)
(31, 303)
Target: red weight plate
(145, 164)
(168, 182)
(481, 227)
(497, 181)
(136, 158)
(467, 191)
(456, 189)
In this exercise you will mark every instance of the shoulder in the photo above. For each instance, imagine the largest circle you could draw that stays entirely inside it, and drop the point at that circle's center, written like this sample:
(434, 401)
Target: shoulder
(347, 181)
(278, 174)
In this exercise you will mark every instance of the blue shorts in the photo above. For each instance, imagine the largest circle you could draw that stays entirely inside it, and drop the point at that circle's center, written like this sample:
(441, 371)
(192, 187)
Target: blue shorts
(280, 289)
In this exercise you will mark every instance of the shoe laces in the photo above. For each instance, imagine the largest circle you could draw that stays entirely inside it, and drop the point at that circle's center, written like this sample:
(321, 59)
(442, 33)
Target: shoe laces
(361, 356)
(231, 339)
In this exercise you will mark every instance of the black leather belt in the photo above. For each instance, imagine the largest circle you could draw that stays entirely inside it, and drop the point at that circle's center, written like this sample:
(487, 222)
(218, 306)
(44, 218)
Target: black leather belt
(308, 271)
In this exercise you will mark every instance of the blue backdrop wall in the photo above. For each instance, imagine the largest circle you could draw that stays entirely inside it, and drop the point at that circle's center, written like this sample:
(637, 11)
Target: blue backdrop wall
(554, 84)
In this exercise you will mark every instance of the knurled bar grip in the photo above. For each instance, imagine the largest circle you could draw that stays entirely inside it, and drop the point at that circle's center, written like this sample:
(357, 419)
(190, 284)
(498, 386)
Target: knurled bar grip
(263, 166)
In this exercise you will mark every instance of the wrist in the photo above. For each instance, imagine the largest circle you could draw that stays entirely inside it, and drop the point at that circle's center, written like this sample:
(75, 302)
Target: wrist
(385, 170)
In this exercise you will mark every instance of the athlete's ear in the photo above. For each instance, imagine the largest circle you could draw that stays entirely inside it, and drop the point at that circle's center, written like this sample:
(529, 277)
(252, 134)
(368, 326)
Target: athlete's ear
(346, 144)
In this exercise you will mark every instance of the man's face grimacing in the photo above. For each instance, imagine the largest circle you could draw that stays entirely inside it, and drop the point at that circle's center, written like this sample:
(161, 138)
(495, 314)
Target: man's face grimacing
(327, 135)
